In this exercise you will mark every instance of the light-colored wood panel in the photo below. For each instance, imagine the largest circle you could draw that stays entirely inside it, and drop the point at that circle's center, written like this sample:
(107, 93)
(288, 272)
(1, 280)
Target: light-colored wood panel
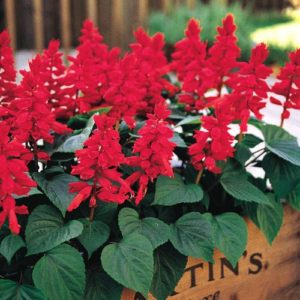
(65, 25)
(38, 25)
(92, 11)
(11, 21)
(264, 272)
(117, 22)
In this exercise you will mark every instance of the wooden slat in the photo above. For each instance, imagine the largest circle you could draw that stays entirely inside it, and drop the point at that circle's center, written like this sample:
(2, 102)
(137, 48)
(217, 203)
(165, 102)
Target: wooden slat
(38, 25)
(11, 21)
(143, 11)
(65, 25)
(191, 3)
(167, 6)
(263, 272)
(117, 22)
(92, 10)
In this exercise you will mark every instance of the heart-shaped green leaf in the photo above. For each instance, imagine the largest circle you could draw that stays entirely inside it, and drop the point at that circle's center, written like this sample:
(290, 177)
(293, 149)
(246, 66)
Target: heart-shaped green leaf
(192, 236)
(46, 229)
(281, 143)
(284, 176)
(60, 274)
(240, 188)
(169, 267)
(11, 290)
(270, 219)
(154, 229)
(130, 262)
(171, 191)
(293, 198)
(56, 188)
(99, 286)
(230, 235)
(10, 245)
(94, 235)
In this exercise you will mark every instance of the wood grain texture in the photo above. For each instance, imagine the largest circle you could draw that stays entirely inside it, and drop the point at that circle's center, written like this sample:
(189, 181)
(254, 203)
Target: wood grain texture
(11, 21)
(263, 273)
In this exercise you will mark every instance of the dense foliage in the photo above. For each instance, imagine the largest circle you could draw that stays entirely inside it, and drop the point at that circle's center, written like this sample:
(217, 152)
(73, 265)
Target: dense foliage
(116, 168)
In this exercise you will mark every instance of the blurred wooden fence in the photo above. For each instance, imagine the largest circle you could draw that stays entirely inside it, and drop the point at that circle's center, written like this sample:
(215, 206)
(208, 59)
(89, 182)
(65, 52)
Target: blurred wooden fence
(32, 23)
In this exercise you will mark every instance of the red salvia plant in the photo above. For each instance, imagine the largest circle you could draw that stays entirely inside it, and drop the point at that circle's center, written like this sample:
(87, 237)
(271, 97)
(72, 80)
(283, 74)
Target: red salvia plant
(7, 74)
(154, 150)
(134, 159)
(288, 86)
(13, 178)
(97, 167)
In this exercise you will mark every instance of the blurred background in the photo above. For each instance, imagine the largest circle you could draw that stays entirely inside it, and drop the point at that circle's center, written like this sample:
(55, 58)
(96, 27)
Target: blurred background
(32, 23)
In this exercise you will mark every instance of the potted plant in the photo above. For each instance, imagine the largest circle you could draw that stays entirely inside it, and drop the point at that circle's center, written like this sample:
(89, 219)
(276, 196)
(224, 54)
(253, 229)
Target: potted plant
(116, 169)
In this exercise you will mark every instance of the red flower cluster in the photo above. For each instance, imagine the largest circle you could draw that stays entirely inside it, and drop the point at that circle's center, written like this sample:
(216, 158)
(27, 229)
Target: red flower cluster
(90, 69)
(213, 142)
(250, 89)
(224, 53)
(155, 150)
(200, 70)
(288, 86)
(58, 84)
(13, 178)
(130, 85)
(7, 74)
(32, 118)
(97, 167)
(189, 62)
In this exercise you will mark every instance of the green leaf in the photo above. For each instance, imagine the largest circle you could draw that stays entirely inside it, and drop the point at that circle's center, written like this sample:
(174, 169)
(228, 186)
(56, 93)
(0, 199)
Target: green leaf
(192, 236)
(189, 120)
(178, 140)
(106, 212)
(242, 153)
(169, 266)
(240, 188)
(99, 286)
(283, 175)
(250, 140)
(10, 245)
(75, 142)
(230, 235)
(270, 219)
(60, 274)
(171, 191)
(293, 198)
(56, 189)
(94, 235)
(281, 143)
(11, 290)
(130, 262)
(155, 230)
(46, 229)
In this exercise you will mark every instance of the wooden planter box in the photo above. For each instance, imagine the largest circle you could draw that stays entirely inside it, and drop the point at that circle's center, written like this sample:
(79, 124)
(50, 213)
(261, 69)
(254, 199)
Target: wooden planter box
(263, 273)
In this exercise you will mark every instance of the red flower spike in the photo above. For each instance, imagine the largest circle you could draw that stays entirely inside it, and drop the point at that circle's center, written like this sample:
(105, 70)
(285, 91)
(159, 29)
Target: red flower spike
(152, 65)
(32, 116)
(288, 86)
(213, 142)
(189, 61)
(250, 86)
(60, 89)
(10, 211)
(155, 150)
(97, 167)
(13, 178)
(224, 53)
(7, 75)
(90, 69)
